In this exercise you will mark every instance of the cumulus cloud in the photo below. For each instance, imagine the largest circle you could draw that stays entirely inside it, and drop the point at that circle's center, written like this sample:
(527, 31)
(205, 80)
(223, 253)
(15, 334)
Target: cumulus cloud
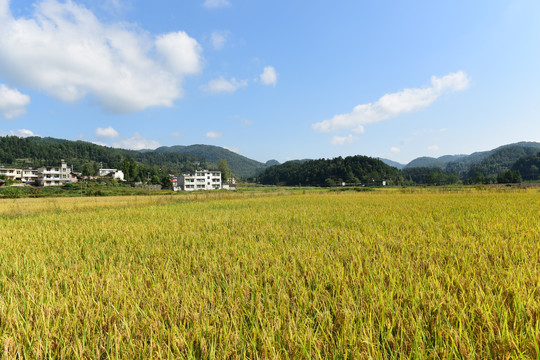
(394, 150)
(395, 104)
(269, 76)
(181, 53)
(222, 85)
(12, 102)
(343, 140)
(136, 142)
(216, 4)
(218, 39)
(22, 133)
(213, 135)
(108, 132)
(64, 50)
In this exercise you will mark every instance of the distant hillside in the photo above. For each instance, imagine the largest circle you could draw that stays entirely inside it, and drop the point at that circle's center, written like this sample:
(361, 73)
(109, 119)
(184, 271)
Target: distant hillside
(486, 165)
(431, 162)
(393, 163)
(491, 163)
(239, 164)
(461, 163)
(272, 163)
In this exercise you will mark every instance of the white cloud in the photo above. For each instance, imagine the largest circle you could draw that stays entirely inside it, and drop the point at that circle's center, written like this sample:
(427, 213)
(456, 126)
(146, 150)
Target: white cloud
(22, 133)
(181, 53)
(108, 132)
(218, 39)
(269, 76)
(137, 142)
(216, 4)
(343, 140)
(213, 135)
(394, 150)
(222, 85)
(392, 105)
(176, 134)
(12, 102)
(433, 148)
(64, 50)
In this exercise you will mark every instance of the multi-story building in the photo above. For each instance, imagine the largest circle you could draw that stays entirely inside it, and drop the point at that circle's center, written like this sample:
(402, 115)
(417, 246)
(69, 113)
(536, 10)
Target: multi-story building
(11, 173)
(54, 175)
(29, 175)
(200, 180)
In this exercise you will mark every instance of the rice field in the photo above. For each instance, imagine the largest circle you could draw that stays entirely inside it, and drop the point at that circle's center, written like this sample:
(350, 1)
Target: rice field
(382, 274)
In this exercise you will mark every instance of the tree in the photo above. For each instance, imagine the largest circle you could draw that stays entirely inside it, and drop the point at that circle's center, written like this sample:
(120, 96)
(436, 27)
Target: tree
(329, 182)
(165, 182)
(223, 166)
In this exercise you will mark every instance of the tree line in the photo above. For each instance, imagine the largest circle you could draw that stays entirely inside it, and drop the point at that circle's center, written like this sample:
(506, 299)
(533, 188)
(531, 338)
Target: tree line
(354, 170)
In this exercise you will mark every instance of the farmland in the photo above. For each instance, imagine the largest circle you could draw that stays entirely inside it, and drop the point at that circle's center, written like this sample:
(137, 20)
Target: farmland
(381, 274)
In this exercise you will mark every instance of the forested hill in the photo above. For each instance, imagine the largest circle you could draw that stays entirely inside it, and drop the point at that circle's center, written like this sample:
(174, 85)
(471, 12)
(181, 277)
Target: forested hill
(239, 164)
(87, 157)
(329, 172)
(488, 162)
(493, 162)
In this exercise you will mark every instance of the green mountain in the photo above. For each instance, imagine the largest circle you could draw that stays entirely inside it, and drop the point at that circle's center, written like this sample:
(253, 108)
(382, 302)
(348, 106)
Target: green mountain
(487, 162)
(491, 163)
(240, 165)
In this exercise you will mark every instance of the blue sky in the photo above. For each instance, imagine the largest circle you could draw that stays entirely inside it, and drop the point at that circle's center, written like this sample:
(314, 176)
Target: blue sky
(274, 79)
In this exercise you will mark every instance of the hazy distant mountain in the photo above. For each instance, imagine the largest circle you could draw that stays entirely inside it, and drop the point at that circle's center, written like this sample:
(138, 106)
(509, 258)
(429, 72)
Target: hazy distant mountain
(272, 163)
(489, 163)
(393, 163)
(431, 162)
(239, 164)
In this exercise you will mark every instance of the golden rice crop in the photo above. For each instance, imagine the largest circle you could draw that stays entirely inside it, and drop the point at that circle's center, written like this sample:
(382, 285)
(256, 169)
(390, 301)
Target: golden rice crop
(316, 275)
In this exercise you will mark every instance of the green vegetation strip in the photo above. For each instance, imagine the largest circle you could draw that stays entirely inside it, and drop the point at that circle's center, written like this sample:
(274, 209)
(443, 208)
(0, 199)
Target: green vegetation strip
(315, 275)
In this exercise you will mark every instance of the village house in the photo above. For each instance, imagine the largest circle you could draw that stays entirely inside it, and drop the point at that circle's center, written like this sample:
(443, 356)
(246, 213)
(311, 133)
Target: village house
(11, 173)
(199, 180)
(113, 173)
(43, 176)
(55, 175)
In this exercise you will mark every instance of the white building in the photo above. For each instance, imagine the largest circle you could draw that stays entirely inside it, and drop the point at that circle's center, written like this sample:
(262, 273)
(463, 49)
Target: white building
(11, 173)
(200, 180)
(54, 175)
(114, 173)
(29, 175)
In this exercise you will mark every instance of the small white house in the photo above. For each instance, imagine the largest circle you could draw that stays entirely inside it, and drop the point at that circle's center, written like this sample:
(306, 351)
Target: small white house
(114, 173)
